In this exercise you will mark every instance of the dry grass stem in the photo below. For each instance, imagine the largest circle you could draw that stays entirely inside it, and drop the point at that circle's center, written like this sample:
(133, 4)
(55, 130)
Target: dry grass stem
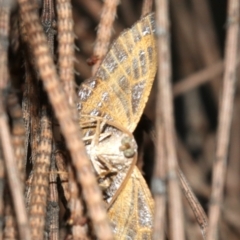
(2, 183)
(77, 220)
(104, 32)
(159, 179)
(69, 127)
(225, 118)
(158, 187)
(18, 141)
(147, 7)
(15, 184)
(198, 211)
(164, 64)
(13, 177)
(40, 182)
(208, 46)
(198, 78)
(18, 133)
(53, 203)
(66, 48)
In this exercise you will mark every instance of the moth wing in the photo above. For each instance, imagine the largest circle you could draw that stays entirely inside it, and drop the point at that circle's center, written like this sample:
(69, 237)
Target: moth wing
(131, 214)
(122, 84)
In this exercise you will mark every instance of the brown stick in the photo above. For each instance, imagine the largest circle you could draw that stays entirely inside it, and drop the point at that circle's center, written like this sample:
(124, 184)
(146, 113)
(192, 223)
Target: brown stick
(66, 48)
(18, 134)
(194, 204)
(77, 219)
(146, 7)
(198, 78)
(160, 169)
(2, 183)
(92, 7)
(52, 222)
(40, 183)
(159, 178)
(14, 181)
(174, 194)
(16, 187)
(4, 36)
(69, 127)
(104, 31)
(39, 188)
(225, 118)
(157, 185)
(18, 140)
(206, 38)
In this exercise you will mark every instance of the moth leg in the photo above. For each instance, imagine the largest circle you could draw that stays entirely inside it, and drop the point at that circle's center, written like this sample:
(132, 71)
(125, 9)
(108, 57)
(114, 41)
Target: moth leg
(105, 178)
(104, 163)
(98, 130)
(98, 136)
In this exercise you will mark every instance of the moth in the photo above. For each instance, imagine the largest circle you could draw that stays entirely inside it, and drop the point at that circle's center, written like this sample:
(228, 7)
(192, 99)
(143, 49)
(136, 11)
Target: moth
(111, 104)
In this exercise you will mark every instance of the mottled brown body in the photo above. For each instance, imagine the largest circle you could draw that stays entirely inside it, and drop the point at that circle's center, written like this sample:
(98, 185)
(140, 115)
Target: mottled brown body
(118, 93)
(113, 151)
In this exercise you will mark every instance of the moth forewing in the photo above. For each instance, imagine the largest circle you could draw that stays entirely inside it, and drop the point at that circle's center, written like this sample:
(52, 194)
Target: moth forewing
(122, 84)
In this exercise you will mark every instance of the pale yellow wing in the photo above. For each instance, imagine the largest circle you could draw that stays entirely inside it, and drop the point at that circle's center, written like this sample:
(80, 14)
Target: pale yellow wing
(122, 84)
(132, 212)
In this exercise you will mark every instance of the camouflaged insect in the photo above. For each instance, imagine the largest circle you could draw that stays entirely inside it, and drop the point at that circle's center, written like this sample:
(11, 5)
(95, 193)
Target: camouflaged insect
(111, 104)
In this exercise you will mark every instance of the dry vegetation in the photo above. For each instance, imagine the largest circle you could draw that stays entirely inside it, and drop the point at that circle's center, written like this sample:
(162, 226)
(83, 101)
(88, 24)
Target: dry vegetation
(49, 47)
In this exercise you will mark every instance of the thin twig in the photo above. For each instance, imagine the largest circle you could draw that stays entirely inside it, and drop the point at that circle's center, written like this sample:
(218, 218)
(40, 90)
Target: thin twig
(52, 222)
(104, 31)
(49, 22)
(40, 183)
(4, 42)
(30, 105)
(60, 159)
(9, 231)
(159, 178)
(16, 187)
(198, 211)
(225, 118)
(206, 38)
(71, 197)
(146, 7)
(18, 140)
(174, 194)
(18, 133)
(77, 219)
(92, 7)
(69, 127)
(66, 48)
(39, 188)
(198, 78)
(158, 185)
(14, 181)
(2, 184)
